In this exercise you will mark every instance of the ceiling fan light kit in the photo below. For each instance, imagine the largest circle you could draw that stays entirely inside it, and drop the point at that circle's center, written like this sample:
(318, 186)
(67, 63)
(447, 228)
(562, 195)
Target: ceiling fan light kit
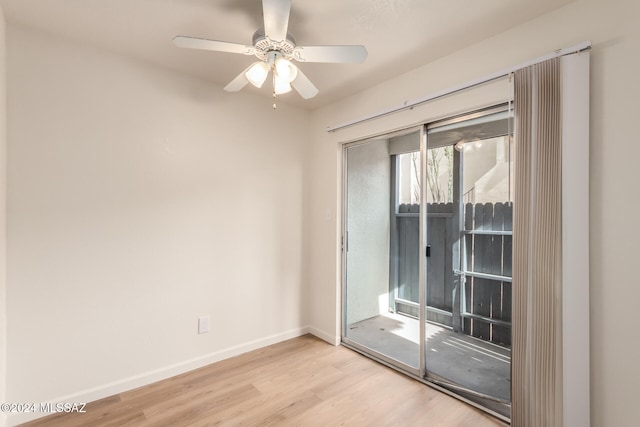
(285, 70)
(257, 73)
(276, 49)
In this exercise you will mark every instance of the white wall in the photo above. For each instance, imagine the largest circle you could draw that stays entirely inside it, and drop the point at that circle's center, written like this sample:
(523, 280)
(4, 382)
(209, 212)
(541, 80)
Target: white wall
(3, 216)
(138, 200)
(612, 27)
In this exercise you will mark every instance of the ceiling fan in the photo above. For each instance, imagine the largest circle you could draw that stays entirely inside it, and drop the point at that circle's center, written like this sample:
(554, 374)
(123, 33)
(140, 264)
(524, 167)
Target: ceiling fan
(276, 48)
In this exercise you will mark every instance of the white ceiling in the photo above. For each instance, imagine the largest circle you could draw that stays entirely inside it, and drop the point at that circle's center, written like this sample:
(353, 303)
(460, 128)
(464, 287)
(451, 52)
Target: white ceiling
(400, 35)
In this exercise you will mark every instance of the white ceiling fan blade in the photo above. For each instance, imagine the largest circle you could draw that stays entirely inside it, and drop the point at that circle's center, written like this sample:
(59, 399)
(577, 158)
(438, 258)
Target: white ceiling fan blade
(336, 54)
(303, 85)
(215, 45)
(239, 82)
(276, 18)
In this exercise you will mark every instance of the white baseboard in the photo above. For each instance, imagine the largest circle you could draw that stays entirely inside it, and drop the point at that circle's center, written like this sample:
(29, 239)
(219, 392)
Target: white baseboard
(330, 338)
(146, 378)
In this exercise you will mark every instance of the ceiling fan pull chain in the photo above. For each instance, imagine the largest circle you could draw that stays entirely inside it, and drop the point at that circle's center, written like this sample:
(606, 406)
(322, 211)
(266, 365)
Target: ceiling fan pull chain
(274, 87)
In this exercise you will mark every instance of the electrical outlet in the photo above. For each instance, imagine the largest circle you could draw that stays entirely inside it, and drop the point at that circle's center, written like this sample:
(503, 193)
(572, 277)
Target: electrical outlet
(203, 324)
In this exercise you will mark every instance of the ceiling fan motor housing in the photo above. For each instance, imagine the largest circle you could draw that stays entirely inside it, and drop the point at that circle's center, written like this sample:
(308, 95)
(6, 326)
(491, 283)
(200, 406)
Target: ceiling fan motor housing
(263, 45)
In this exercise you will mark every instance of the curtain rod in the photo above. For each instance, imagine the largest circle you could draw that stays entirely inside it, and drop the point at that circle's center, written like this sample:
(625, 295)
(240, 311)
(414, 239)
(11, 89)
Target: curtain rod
(407, 105)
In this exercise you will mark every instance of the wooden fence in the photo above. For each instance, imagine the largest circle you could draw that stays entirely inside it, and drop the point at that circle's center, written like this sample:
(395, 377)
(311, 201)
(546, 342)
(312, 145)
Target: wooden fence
(483, 310)
(488, 249)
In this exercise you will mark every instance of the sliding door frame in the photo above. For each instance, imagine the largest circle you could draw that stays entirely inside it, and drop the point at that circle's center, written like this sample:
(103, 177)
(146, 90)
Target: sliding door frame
(492, 404)
(422, 258)
(418, 372)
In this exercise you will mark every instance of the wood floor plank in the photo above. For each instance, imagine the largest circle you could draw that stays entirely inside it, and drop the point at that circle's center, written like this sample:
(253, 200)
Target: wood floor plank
(299, 382)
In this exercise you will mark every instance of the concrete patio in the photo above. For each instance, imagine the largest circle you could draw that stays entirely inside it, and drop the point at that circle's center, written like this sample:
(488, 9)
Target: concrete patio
(468, 362)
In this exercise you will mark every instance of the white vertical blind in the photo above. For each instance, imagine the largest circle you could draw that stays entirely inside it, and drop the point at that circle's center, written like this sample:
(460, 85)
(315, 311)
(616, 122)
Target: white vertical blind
(551, 277)
(537, 248)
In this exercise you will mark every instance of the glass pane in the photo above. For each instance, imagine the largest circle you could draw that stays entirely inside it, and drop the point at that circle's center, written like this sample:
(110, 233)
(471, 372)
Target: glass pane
(488, 171)
(409, 178)
(440, 175)
(381, 261)
(406, 236)
(488, 222)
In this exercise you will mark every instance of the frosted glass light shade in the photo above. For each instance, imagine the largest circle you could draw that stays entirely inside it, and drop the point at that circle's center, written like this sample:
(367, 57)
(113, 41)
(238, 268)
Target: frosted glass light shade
(281, 86)
(257, 74)
(286, 70)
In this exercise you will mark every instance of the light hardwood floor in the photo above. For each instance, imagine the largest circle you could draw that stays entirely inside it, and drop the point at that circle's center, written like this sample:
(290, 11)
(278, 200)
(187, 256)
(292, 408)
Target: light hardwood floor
(299, 382)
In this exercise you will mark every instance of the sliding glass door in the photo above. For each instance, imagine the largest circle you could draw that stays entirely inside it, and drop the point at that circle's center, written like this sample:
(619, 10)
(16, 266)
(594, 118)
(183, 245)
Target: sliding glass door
(427, 253)
(469, 195)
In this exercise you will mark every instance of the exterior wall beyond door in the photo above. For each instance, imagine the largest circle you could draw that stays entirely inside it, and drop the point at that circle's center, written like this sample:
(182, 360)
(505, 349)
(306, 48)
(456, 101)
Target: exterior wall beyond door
(368, 188)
